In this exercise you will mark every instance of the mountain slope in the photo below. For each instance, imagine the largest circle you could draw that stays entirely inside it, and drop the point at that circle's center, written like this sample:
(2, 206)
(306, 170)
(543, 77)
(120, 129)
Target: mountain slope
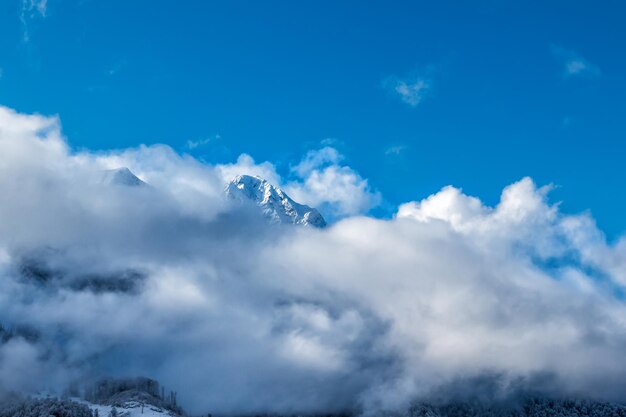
(128, 409)
(274, 202)
(121, 176)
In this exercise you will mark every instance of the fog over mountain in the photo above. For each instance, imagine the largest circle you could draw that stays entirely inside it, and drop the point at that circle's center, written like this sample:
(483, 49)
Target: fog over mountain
(449, 298)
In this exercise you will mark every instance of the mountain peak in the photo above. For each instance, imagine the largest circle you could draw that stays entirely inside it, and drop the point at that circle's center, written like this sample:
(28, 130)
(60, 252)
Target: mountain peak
(274, 202)
(121, 176)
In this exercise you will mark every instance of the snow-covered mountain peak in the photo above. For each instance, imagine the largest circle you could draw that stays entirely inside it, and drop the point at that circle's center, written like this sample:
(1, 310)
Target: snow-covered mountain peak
(274, 202)
(121, 176)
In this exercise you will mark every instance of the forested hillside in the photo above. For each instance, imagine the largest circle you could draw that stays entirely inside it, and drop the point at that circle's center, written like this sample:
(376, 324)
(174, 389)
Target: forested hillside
(47, 407)
(144, 397)
(535, 407)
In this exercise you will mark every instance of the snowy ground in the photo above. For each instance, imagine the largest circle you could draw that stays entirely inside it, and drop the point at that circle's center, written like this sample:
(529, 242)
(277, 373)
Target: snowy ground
(130, 409)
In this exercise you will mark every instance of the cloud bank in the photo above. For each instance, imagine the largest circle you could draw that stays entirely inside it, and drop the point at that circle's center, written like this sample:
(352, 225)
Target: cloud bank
(175, 282)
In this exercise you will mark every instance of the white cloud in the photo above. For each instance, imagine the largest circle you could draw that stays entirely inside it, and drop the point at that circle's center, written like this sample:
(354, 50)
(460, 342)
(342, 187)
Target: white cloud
(395, 150)
(317, 158)
(523, 215)
(246, 165)
(194, 144)
(40, 5)
(30, 10)
(243, 317)
(337, 190)
(412, 91)
(574, 64)
(35, 7)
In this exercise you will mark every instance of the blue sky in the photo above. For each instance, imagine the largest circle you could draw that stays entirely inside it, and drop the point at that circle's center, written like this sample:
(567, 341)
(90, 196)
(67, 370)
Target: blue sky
(416, 95)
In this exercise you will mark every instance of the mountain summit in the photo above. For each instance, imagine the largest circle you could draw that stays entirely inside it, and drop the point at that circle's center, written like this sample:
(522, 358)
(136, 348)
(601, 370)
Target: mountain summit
(121, 176)
(274, 202)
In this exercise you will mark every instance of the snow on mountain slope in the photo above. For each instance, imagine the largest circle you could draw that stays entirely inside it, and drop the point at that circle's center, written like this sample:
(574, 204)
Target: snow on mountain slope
(121, 176)
(128, 409)
(275, 204)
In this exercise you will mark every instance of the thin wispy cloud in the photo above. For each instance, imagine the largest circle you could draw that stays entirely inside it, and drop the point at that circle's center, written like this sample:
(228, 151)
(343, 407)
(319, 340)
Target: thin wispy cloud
(331, 142)
(574, 64)
(412, 89)
(32, 9)
(39, 6)
(412, 92)
(194, 144)
(395, 150)
(115, 69)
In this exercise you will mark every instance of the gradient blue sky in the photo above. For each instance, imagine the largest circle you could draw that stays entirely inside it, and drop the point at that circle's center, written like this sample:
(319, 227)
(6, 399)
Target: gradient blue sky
(416, 95)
